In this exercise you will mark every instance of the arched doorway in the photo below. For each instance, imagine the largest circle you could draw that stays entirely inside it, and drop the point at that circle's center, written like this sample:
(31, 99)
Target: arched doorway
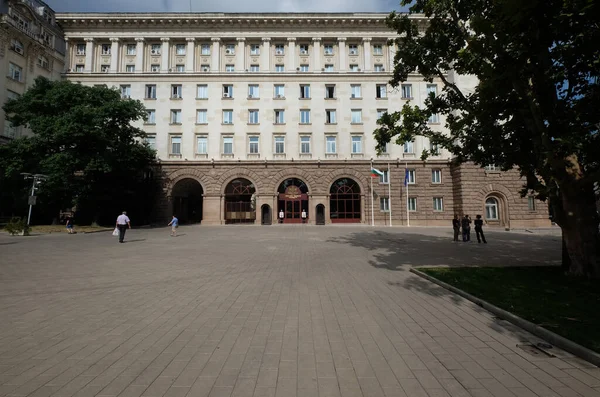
(186, 198)
(265, 214)
(320, 214)
(292, 200)
(240, 201)
(344, 201)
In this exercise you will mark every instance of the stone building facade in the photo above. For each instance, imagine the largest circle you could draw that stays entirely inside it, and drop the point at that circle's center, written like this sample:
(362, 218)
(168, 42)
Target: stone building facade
(253, 115)
(31, 45)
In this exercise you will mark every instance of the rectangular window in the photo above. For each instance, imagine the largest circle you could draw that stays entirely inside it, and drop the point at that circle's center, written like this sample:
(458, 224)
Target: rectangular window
(176, 91)
(354, 67)
(303, 49)
(279, 49)
(492, 167)
(434, 149)
(180, 68)
(353, 49)
(227, 116)
(227, 145)
(330, 116)
(279, 116)
(201, 116)
(254, 49)
(381, 91)
(279, 145)
(328, 68)
(105, 48)
(304, 91)
(328, 49)
(384, 204)
(412, 204)
(305, 144)
(409, 147)
(438, 204)
(205, 49)
(378, 68)
(80, 49)
(330, 91)
(155, 68)
(355, 91)
(230, 68)
(279, 68)
(356, 116)
(205, 67)
(104, 68)
(230, 49)
(201, 144)
(432, 89)
(380, 113)
(377, 49)
(126, 91)
(150, 116)
(155, 49)
(531, 203)
(150, 91)
(434, 119)
(202, 91)
(253, 91)
(253, 116)
(79, 68)
(176, 144)
(131, 50)
(385, 178)
(180, 49)
(130, 68)
(253, 145)
(279, 91)
(254, 68)
(412, 177)
(356, 144)
(330, 144)
(304, 116)
(227, 91)
(304, 68)
(406, 91)
(436, 176)
(175, 116)
(151, 141)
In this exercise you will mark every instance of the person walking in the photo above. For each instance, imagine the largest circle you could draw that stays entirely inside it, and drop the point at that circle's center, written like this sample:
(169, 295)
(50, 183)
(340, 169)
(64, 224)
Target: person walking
(69, 225)
(456, 227)
(466, 228)
(123, 223)
(174, 224)
(479, 229)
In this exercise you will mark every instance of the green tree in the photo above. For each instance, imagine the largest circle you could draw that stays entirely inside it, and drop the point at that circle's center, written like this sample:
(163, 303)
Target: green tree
(84, 141)
(534, 106)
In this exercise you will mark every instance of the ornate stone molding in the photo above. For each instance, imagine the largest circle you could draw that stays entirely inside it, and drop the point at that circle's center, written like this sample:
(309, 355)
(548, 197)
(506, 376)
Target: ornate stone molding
(139, 39)
(89, 40)
(266, 39)
(114, 40)
(215, 39)
(165, 39)
(240, 39)
(190, 39)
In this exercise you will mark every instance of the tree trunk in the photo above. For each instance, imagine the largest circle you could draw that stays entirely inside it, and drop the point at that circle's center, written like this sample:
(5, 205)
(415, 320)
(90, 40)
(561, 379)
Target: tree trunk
(566, 260)
(579, 223)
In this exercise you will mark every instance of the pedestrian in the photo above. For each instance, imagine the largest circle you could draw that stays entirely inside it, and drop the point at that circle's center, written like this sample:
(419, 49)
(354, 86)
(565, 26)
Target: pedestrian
(466, 228)
(123, 223)
(479, 229)
(69, 225)
(303, 216)
(281, 215)
(456, 227)
(174, 224)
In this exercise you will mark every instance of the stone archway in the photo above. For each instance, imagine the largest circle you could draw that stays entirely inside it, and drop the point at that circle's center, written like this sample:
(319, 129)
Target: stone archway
(187, 200)
(240, 201)
(496, 210)
(345, 201)
(292, 200)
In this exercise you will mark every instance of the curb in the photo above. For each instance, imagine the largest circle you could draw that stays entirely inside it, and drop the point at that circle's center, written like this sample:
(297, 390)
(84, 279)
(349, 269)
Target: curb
(549, 336)
(98, 231)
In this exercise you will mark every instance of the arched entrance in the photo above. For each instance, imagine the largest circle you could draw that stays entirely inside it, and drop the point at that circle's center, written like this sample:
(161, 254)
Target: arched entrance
(344, 201)
(320, 214)
(496, 210)
(186, 199)
(265, 214)
(292, 200)
(240, 201)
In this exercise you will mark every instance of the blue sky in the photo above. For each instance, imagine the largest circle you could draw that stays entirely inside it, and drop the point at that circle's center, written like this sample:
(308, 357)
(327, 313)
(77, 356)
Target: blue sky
(224, 5)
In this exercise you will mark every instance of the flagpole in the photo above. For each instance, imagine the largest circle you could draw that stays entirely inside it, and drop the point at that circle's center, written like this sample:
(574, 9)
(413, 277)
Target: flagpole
(406, 183)
(372, 213)
(390, 191)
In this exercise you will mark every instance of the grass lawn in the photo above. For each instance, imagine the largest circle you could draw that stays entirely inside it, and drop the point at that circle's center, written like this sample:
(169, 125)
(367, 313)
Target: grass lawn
(567, 306)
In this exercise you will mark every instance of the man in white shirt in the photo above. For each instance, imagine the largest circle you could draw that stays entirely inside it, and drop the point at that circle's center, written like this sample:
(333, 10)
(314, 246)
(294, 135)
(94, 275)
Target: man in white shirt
(122, 224)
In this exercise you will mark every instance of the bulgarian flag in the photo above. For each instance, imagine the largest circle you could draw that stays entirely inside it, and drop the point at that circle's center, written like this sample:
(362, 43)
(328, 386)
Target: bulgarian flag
(375, 173)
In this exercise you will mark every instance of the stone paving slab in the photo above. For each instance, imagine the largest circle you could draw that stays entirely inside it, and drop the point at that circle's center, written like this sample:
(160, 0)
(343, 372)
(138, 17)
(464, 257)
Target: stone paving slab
(254, 311)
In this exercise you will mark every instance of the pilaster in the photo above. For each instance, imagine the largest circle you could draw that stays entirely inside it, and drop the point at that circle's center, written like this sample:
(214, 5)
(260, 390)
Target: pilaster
(114, 55)
(190, 55)
(139, 55)
(164, 62)
(89, 55)
(240, 54)
(367, 52)
(342, 53)
(265, 55)
(215, 54)
(317, 54)
(291, 57)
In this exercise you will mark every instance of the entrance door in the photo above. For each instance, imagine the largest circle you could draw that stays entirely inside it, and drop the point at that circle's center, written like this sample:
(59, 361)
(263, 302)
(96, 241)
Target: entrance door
(320, 214)
(265, 211)
(293, 200)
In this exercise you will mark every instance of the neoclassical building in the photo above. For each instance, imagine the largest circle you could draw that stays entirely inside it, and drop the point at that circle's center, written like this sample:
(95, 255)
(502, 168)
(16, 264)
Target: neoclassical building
(31, 45)
(256, 115)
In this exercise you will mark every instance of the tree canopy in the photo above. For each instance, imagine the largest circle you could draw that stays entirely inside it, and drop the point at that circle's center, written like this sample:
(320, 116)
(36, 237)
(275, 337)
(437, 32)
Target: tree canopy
(84, 141)
(534, 105)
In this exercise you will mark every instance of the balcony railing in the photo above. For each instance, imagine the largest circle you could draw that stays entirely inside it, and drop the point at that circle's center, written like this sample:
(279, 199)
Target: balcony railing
(29, 32)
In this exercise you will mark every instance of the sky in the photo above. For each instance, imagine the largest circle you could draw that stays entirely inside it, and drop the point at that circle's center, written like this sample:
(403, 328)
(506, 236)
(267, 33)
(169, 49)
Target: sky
(224, 5)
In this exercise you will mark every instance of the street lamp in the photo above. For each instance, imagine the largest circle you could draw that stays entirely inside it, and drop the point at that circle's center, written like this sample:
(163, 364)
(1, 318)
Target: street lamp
(37, 180)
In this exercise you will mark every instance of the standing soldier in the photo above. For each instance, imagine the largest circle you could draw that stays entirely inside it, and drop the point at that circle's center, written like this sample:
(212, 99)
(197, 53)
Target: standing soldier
(479, 229)
(456, 227)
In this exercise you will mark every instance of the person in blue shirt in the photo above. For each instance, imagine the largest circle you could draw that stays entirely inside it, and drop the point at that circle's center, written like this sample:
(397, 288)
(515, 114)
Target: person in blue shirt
(174, 224)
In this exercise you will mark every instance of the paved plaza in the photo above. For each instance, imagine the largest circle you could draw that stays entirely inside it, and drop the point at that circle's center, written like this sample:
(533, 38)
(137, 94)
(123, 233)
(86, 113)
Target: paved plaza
(286, 311)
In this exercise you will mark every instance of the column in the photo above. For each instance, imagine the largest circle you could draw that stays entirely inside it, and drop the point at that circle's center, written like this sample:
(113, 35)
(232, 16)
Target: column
(367, 51)
(215, 54)
(291, 57)
(164, 61)
(265, 54)
(190, 55)
(317, 54)
(139, 55)
(240, 54)
(114, 55)
(392, 54)
(68, 57)
(89, 55)
(342, 53)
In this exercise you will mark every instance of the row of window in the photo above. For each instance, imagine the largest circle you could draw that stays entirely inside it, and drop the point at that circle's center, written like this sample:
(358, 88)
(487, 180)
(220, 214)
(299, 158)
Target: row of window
(230, 68)
(384, 204)
(15, 72)
(205, 49)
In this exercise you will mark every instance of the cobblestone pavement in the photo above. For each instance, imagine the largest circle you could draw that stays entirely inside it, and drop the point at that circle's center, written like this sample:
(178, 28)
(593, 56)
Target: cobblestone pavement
(280, 311)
